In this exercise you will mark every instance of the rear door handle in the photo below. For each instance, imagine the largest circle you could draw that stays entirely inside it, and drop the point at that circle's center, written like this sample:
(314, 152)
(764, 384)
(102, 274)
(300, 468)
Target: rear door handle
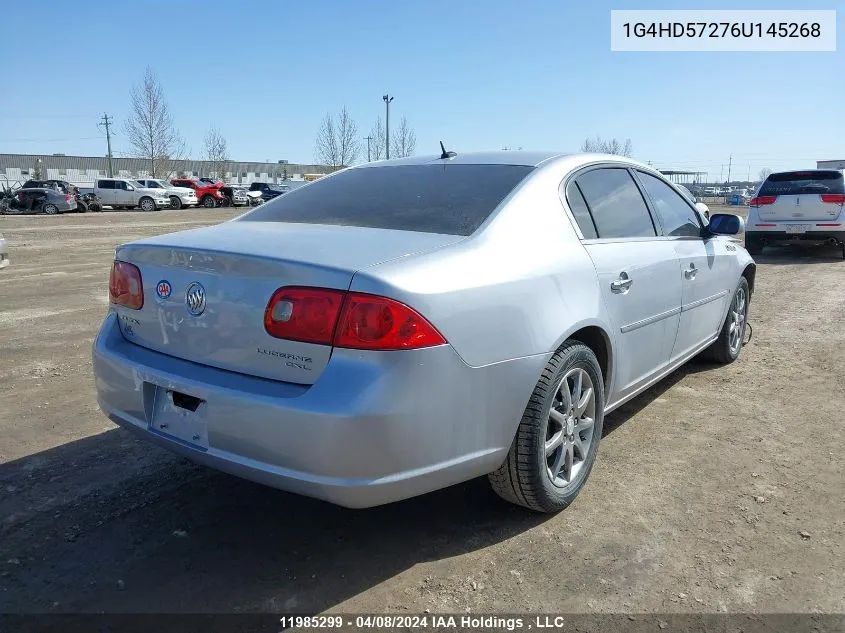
(691, 272)
(622, 284)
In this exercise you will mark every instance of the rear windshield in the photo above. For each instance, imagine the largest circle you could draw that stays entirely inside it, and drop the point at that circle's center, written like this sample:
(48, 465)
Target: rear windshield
(438, 198)
(801, 182)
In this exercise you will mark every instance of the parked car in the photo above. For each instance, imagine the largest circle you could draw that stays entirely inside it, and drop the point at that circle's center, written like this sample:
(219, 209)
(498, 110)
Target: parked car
(234, 196)
(83, 203)
(49, 200)
(122, 193)
(268, 190)
(4, 253)
(401, 326)
(255, 198)
(179, 196)
(798, 206)
(207, 193)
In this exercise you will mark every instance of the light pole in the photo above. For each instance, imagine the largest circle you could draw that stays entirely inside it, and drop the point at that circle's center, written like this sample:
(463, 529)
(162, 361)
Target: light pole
(369, 138)
(387, 100)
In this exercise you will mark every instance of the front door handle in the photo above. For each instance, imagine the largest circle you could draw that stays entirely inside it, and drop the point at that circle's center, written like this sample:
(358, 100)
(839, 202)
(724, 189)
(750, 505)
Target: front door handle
(622, 284)
(691, 272)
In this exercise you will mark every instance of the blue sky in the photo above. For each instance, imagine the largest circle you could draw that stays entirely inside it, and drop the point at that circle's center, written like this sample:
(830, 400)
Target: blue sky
(479, 74)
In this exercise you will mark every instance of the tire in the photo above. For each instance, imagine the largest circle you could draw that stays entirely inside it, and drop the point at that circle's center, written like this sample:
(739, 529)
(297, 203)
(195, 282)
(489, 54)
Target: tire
(95, 207)
(175, 202)
(50, 209)
(81, 207)
(526, 476)
(724, 349)
(209, 202)
(147, 204)
(753, 246)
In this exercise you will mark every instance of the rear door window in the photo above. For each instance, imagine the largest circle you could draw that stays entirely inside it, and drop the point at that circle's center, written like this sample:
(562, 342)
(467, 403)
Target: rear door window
(431, 198)
(616, 204)
(793, 183)
(105, 184)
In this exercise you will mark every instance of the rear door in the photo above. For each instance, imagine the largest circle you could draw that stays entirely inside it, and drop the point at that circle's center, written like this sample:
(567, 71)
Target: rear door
(705, 266)
(637, 270)
(107, 192)
(801, 196)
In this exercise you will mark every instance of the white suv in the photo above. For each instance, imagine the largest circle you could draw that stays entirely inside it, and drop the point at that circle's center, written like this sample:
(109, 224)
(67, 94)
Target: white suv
(794, 206)
(179, 196)
(122, 193)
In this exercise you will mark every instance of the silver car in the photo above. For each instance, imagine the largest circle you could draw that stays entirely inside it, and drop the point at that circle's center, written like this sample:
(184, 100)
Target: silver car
(401, 326)
(4, 253)
(49, 200)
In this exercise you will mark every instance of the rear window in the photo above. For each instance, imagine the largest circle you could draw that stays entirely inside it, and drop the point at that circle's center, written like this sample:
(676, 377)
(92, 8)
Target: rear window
(802, 182)
(438, 198)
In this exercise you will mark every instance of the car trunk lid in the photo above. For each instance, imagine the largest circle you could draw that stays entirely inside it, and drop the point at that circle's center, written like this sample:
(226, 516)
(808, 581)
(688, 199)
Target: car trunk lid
(206, 290)
(813, 196)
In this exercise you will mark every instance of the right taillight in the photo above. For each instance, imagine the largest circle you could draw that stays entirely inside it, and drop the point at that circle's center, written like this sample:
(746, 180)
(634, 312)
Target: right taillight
(350, 320)
(760, 201)
(126, 286)
(833, 198)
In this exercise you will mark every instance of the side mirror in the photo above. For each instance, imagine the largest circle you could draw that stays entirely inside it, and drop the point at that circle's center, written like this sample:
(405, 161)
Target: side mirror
(726, 224)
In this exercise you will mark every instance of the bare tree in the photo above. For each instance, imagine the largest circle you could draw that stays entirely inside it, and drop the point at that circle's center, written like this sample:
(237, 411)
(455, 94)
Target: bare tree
(337, 141)
(609, 146)
(377, 140)
(765, 173)
(404, 141)
(150, 127)
(216, 153)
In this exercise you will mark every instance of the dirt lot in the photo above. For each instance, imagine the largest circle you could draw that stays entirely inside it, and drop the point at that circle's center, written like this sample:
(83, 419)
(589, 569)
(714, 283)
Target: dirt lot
(720, 489)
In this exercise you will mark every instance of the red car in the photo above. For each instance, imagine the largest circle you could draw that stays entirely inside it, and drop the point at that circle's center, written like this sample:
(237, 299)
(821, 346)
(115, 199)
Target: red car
(208, 194)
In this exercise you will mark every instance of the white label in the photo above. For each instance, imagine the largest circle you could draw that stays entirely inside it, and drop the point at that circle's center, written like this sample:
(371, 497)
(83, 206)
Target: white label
(727, 30)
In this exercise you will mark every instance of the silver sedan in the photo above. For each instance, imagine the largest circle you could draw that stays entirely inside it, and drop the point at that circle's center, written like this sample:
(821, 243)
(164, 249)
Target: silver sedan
(402, 326)
(45, 199)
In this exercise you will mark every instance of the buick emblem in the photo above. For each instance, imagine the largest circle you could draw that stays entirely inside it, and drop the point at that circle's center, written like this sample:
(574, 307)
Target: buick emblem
(195, 298)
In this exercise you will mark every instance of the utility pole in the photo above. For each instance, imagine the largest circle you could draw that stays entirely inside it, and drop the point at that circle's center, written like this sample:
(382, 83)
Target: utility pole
(387, 100)
(730, 160)
(369, 138)
(722, 173)
(107, 120)
(749, 174)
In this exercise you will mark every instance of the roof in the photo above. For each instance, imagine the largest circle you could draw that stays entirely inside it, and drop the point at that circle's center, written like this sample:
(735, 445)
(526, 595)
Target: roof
(527, 158)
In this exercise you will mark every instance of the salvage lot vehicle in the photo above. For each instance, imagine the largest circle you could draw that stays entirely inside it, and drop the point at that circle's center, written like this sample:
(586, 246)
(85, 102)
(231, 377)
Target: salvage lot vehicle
(179, 196)
(122, 193)
(50, 200)
(798, 206)
(590, 278)
(4, 253)
(207, 193)
(234, 196)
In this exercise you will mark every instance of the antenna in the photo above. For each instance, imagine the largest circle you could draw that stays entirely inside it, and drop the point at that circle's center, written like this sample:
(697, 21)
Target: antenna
(446, 154)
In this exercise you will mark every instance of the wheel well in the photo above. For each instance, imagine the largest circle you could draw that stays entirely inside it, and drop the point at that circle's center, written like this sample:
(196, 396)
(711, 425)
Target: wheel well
(749, 273)
(597, 340)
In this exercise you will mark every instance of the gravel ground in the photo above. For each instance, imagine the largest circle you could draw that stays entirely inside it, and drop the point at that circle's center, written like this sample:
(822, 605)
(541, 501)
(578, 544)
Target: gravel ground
(718, 490)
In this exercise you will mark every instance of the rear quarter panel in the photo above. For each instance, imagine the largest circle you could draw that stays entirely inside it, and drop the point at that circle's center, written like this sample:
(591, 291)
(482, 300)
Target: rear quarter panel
(518, 287)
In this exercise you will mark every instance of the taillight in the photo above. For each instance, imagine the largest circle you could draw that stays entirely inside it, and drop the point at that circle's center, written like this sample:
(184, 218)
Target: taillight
(68, 198)
(833, 198)
(303, 314)
(347, 319)
(762, 200)
(379, 323)
(125, 286)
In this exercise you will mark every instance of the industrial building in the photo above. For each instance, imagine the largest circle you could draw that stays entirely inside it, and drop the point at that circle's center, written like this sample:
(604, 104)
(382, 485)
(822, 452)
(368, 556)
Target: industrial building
(82, 171)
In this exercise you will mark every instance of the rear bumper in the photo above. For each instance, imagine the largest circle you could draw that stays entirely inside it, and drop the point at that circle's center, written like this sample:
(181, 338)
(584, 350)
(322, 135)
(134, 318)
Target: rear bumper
(375, 427)
(818, 234)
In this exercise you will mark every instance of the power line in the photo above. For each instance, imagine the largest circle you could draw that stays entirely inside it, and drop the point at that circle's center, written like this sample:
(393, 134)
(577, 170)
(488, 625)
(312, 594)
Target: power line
(48, 140)
(47, 116)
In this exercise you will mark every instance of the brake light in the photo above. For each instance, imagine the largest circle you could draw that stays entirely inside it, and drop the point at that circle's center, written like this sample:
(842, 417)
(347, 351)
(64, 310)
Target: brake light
(833, 198)
(303, 314)
(347, 319)
(379, 323)
(125, 286)
(762, 201)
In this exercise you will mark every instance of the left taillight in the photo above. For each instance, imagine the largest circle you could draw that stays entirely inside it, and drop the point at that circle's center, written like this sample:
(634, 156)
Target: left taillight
(126, 287)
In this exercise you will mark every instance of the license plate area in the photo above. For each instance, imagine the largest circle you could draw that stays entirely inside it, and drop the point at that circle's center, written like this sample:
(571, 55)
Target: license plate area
(794, 229)
(180, 416)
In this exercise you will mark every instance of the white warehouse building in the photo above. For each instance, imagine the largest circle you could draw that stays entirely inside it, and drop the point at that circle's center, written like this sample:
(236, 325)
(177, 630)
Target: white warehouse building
(82, 171)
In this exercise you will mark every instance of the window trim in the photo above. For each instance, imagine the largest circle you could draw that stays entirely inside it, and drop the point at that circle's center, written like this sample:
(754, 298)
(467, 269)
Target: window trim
(574, 175)
(653, 207)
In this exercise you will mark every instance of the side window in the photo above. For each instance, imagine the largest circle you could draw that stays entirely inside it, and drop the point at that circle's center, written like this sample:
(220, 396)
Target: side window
(617, 206)
(676, 215)
(105, 184)
(579, 209)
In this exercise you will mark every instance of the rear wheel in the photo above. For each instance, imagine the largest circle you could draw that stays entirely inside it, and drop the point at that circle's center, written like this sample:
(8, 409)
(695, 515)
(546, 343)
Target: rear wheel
(557, 440)
(51, 209)
(81, 207)
(175, 202)
(209, 202)
(147, 204)
(727, 347)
